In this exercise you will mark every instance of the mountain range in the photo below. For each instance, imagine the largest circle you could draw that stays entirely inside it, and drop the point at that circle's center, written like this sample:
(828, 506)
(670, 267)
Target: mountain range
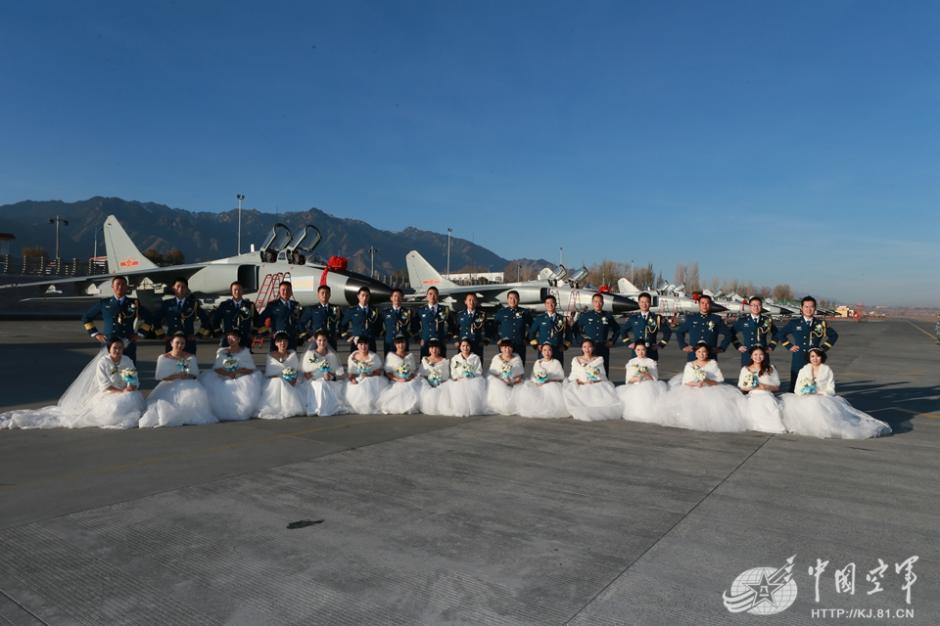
(205, 235)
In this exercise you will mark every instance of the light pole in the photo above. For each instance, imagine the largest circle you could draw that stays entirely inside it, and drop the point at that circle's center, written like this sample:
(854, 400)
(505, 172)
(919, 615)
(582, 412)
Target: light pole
(632, 272)
(561, 255)
(519, 273)
(449, 232)
(57, 220)
(372, 251)
(239, 197)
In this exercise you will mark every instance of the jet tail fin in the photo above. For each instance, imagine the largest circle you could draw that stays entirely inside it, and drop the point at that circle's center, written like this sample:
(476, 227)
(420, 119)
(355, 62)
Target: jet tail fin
(422, 274)
(123, 255)
(625, 286)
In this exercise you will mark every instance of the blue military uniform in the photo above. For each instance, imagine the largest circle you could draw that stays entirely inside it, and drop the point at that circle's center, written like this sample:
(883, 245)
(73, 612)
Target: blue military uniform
(433, 322)
(318, 317)
(696, 328)
(599, 327)
(234, 314)
(361, 322)
(284, 315)
(750, 332)
(646, 330)
(552, 330)
(118, 317)
(395, 322)
(816, 333)
(513, 323)
(180, 316)
(471, 325)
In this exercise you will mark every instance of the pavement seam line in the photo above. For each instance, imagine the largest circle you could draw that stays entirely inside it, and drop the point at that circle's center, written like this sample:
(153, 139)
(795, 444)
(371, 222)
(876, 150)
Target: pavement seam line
(23, 608)
(913, 325)
(669, 530)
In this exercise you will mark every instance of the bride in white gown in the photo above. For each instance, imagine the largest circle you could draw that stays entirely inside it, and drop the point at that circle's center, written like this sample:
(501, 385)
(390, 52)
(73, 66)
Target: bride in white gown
(178, 398)
(702, 401)
(403, 394)
(643, 392)
(589, 396)
(366, 379)
(280, 395)
(435, 370)
(323, 386)
(759, 381)
(506, 372)
(817, 411)
(466, 391)
(105, 394)
(234, 383)
(541, 396)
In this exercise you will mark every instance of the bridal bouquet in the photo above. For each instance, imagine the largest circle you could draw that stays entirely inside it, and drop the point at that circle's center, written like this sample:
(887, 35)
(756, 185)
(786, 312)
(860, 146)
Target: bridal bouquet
(698, 374)
(129, 376)
(230, 363)
(540, 375)
(289, 374)
(593, 374)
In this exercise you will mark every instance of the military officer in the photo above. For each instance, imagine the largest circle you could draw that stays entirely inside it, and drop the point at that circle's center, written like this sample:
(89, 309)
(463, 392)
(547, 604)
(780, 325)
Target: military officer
(282, 314)
(513, 322)
(754, 329)
(118, 313)
(470, 325)
(396, 321)
(237, 313)
(644, 327)
(433, 321)
(598, 326)
(705, 327)
(552, 328)
(320, 316)
(361, 320)
(803, 333)
(179, 314)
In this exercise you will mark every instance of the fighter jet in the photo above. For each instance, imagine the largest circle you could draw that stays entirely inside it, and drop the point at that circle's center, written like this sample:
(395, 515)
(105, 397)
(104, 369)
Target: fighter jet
(571, 294)
(669, 300)
(283, 256)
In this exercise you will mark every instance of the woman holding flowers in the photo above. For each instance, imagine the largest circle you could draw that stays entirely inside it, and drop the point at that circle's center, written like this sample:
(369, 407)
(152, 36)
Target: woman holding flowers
(815, 409)
(702, 401)
(589, 396)
(280, 396)
(179, 398)
(465, 394)
(403, 394)
(366, 379)
(506, 372)
(322, 385)
(541, 395)
(234, 384)
(435, 370)
(643, 392)
(759, 381)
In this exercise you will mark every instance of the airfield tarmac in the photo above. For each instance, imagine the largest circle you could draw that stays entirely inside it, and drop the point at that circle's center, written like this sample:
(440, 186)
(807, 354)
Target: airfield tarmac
(487, 520)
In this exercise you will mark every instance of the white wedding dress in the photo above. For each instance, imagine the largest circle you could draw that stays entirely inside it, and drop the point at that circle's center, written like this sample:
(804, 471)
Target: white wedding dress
(87, 402)
(465, 394)
(434, 393)
(233, 399)
(400, 398)
(541, 395)
(179, 401)
(594, 399)
(363, 395)
(717, 408)
(642, 401)
(323, 397)
(500, 387)
(816, 411)
(279, 398)
(761, 408)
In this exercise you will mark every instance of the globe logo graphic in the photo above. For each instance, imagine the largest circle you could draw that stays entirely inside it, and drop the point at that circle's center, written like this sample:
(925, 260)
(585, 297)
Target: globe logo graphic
(762, 590)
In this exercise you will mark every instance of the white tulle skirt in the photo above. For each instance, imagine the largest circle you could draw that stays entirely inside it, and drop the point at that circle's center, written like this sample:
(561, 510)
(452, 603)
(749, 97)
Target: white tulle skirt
(400, 398)
(465, 397)
(829, 417)
(177, 402)
(233, 399)
(592, 402)
(363, 397)
(762, 412)
(717, 408)
(433, 400)
(500, 397)
(324, 397)
(542, 401)
(280, 400)
(642, 402)
(111, 410)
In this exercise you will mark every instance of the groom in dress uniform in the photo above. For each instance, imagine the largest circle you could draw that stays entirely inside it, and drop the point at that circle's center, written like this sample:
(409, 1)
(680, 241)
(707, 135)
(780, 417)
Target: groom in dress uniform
(284, 315)
(598, 326)
(552, 328)
(179, 313)
(754, 329)
(470, 325)
(118, 314)
(704, 327)
(512, 322)
(236, 313)
(433, 321)
(644, 327)
(320, 316)
(803, 333)
(361, 320)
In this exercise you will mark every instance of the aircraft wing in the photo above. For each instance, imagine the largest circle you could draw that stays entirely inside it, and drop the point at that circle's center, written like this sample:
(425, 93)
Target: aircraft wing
(156, 274)
(486, 294)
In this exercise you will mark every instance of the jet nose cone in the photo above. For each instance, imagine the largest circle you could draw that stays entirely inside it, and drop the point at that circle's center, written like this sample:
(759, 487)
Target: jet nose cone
(378, 291)
(717, 308)
(623, 304)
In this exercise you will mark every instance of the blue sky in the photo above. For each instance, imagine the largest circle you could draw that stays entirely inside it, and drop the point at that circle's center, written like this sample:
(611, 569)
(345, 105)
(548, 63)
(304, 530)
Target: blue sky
(773, 142)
